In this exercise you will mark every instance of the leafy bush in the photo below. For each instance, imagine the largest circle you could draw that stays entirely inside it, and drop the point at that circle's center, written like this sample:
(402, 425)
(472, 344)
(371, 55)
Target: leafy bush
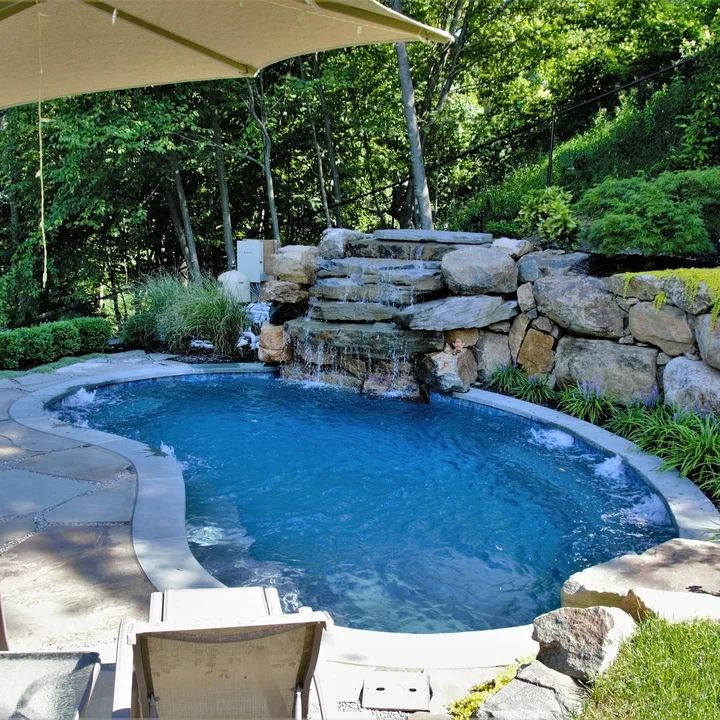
(548, 214)
(27, 347)
(506, 379)
(587, 402)
(65, 336)
(535, 389)
(94, 333)
(176, 314)
(651, 217)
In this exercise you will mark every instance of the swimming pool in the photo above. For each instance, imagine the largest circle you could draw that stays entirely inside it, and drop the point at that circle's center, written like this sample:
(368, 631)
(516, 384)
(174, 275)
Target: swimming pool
(390, 515)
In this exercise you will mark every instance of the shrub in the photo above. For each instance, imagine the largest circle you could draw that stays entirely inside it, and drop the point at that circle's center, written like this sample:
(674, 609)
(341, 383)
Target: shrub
(94, 333)
(651, 217)
(535, 389)
(27, 347)
(587, 402)
(65, 337)
(506, 379)
(175, 314)
(548, 214)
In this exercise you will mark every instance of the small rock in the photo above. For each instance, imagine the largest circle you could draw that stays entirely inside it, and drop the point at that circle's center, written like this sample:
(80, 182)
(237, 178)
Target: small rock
(537, 693)
(479, 270)
(468, 337)
(663, 359)
(274, 346)
(526, 299)
(514, 248)
(532, 313)
(448, 371)
(627, 340)
(500, 327)
(581, 642)
(543, 324)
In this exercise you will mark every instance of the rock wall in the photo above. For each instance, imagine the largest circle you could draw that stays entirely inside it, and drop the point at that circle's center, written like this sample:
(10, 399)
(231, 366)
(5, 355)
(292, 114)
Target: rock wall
(402, 311)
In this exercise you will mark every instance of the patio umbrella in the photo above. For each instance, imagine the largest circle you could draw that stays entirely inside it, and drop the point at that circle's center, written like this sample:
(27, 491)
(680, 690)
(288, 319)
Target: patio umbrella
(54, 48)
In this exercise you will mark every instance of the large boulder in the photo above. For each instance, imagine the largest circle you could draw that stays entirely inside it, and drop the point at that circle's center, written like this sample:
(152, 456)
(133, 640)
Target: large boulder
(295, 263)
(456, 312)
(448, 371)
(666, 327)
(535, 265)
(332, 242)
(581, 642)
(282, 291)
(537, 693)
(675, 607)
(378, 340)
(274, 346)
(491, 352)
(623, 371)
(695, 301)
(692, 385)
(517, 334)
(643, 287)
(526, 299)
(580, 304)
(708, 339)
(537, 354)
(679, 565)
(338, 311)
(475, 271)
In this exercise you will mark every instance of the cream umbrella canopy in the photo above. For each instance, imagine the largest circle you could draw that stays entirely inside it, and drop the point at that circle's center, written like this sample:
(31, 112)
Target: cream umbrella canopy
(55, 48)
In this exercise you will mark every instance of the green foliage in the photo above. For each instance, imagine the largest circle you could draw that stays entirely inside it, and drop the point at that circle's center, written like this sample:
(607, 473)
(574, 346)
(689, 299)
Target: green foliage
(535, 389)
(94, 333)
(506, 379)
(646, 216)
(466, 707)
(587, 402)
(27, 347)
(176, 313)
(548, 214)
(665, 672)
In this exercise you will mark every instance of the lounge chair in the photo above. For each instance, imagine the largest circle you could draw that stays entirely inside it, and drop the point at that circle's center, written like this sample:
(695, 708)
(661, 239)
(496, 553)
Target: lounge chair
(40, 685)
(178, 666)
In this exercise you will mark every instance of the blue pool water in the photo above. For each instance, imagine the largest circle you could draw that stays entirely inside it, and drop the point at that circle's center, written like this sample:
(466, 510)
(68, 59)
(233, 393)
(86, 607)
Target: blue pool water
(390, 515)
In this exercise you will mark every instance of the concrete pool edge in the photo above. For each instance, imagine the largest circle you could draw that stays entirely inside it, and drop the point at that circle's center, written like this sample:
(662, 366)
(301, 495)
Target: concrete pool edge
(160, 541)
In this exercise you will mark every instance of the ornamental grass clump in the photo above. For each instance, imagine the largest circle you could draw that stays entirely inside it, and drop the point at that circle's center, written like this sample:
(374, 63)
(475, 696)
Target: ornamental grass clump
(535, 389)
(506, 379)
(586, 401)
(174, 313)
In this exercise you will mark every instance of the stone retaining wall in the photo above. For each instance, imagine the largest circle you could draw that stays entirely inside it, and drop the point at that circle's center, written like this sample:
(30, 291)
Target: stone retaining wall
(401, 311)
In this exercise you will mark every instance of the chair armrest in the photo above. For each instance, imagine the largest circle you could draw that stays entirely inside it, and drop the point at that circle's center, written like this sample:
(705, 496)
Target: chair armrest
(122, 694)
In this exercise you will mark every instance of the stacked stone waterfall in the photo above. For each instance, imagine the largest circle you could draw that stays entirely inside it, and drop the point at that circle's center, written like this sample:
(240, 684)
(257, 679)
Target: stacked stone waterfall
(403, 311)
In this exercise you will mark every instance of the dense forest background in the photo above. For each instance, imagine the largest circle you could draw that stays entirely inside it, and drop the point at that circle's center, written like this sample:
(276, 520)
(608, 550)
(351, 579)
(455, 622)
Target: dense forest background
(166, 177)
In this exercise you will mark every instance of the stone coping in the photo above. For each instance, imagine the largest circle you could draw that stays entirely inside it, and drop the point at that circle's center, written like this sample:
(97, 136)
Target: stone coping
(160, 539)
(693, 513)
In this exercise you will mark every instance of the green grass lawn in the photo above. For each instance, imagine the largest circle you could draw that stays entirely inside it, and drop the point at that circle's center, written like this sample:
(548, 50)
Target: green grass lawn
(49, 367)
(667, 672)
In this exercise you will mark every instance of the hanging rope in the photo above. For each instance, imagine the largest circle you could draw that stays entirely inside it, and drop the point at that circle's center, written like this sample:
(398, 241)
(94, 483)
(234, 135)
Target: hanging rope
(41, 169)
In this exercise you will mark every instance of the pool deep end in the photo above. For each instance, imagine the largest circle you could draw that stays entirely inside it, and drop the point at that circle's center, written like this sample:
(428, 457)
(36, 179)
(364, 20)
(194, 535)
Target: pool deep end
(390, 515)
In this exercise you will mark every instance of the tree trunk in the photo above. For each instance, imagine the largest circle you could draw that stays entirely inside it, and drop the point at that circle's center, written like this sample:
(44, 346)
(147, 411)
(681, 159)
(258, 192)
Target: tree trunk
(223, 187)
(422, 194)
(327, 126)
(177, 224)
(190, 249)
(260, 117)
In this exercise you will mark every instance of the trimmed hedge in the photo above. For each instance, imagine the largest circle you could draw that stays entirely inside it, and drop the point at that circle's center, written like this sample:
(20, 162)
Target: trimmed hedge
(28, 347)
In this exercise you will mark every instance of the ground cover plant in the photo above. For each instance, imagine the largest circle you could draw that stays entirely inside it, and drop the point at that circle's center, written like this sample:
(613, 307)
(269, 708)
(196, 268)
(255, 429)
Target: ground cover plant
(27, 347)
(172, 312)
(666, 672)
(685, 441)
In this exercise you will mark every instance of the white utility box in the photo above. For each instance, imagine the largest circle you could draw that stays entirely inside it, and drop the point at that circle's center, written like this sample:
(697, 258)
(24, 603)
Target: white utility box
(250, 259)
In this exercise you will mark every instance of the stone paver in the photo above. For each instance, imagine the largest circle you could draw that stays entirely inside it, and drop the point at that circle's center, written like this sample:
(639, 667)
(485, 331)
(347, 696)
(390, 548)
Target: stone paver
(82, 463)
(7, 398)
(111, 504)
(16, 528)
(23, 492)
(69, 587)
(27, 439)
